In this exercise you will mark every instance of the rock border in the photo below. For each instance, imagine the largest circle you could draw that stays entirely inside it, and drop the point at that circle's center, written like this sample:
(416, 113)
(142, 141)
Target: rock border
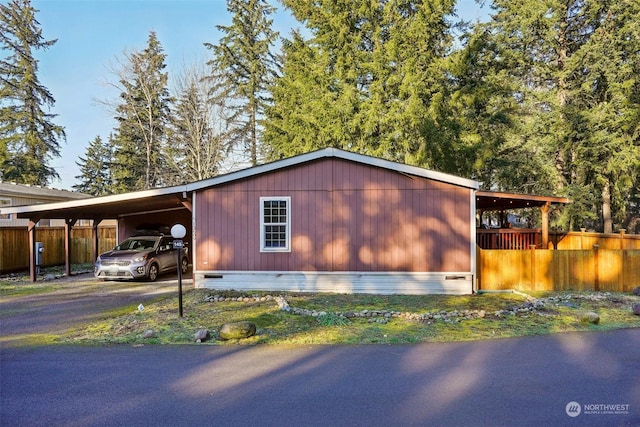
(532, 306)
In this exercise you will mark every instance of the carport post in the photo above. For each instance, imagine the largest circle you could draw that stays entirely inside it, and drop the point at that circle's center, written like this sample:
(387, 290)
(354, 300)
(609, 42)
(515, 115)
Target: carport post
(94, 235)
(32, 249)
(68, 224)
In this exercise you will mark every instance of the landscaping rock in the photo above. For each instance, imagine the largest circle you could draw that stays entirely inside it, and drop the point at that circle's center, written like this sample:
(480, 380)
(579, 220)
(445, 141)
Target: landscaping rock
(202, 335)
(636, 309)
(590, 317)
(283, 304)
(237, 330)
(636, 291)
(149, 333)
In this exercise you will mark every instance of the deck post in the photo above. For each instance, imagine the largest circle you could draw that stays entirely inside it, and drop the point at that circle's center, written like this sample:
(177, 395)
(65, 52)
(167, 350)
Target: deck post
(545, 225)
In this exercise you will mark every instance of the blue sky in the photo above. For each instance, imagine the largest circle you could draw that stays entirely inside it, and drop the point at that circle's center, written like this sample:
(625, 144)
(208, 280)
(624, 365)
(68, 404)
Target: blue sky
(93, 34)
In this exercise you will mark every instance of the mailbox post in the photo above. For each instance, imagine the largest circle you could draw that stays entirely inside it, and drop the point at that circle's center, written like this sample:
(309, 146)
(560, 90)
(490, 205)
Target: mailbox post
(178, 232)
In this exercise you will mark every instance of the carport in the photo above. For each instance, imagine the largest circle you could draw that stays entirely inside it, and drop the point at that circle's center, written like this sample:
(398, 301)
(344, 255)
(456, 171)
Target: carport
(168, 205)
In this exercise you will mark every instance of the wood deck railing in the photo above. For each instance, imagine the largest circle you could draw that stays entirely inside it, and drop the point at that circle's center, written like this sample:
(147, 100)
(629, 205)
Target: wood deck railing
(508, 238)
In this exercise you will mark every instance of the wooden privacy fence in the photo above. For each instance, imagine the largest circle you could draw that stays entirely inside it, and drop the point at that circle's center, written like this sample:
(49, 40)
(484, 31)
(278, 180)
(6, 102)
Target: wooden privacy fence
(595, 269)
(14, 246)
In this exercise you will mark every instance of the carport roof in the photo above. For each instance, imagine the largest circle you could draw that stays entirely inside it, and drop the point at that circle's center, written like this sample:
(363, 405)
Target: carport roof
(107, 207)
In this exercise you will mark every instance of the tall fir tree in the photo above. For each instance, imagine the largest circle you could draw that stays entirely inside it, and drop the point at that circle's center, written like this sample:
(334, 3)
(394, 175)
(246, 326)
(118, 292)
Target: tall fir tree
(95, 169)
(245, 65)
(371, 78)
(28, 137)
(143, 115)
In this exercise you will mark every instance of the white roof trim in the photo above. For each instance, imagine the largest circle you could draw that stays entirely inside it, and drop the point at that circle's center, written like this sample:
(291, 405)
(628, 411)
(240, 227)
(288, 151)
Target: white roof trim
(333, 153)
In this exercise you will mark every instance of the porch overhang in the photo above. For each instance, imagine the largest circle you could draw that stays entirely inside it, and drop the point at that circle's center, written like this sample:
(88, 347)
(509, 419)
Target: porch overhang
(501, 201)
(498, 201)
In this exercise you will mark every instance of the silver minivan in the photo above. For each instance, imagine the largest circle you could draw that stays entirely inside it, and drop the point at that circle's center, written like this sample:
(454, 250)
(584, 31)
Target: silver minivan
(140, 257)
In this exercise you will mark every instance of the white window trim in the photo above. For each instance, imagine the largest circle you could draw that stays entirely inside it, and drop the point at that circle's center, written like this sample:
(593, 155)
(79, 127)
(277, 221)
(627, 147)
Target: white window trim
(9, 216)
(287, 247)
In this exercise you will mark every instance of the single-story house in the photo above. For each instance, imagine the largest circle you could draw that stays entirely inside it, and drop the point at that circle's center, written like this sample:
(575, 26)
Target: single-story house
(325, 221)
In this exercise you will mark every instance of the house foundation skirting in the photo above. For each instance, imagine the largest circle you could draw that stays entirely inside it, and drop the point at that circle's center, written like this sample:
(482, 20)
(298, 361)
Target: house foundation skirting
(409, 283)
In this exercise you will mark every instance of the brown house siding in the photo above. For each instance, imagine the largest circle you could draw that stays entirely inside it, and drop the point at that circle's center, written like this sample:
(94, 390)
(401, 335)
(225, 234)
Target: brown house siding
(346, 216)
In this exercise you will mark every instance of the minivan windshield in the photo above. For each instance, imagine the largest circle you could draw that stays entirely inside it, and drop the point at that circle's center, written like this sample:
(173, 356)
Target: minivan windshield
(136, 245)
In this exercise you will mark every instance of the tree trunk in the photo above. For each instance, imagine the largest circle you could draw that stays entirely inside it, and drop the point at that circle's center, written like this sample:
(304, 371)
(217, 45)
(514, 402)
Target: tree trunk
(606, 207)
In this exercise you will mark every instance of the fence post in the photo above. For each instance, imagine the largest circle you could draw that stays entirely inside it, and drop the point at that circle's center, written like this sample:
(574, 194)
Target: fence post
(533, 267)
(622, 262)
(596, 268)
(582, 230)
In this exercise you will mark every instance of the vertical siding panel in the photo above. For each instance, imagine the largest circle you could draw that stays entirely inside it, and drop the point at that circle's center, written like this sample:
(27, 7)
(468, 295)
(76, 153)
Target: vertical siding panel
(436, 254)
(248, 213)
(224, 231)
(204, 229)
(420, 208)
(365, 254)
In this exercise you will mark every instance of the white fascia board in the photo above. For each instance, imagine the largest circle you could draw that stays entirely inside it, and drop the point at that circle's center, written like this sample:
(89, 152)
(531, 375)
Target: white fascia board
(333, 153)
(408, 169)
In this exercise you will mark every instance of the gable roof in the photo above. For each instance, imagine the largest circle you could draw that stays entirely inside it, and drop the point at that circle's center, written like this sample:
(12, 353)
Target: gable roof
(332, 153)
(178, 197)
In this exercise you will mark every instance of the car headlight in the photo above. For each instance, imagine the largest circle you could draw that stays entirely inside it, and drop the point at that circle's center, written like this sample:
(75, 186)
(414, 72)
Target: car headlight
(140, 258)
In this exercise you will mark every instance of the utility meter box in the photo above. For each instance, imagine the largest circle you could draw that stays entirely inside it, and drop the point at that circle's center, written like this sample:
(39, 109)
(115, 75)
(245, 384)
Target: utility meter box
(39, 253)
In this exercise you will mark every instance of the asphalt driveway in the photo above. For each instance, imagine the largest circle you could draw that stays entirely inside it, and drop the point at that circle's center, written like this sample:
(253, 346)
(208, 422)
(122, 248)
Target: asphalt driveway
(80, 299)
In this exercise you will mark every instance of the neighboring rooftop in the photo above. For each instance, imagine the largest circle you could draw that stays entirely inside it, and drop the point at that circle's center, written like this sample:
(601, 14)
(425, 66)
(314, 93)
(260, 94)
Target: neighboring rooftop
(37, 191)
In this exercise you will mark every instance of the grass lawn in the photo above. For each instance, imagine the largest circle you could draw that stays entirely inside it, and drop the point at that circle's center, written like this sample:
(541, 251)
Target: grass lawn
(336, 318)
(408, 320)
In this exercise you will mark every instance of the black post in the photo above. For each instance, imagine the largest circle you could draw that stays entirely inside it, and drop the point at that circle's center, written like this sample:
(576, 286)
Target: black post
(180, 280)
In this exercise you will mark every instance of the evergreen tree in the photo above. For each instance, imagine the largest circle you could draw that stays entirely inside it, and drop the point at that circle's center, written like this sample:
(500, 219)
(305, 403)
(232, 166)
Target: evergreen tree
(95, 169)
(245, 66)
(574, 66)
(143, 114)
(28, 137)
(371, 79)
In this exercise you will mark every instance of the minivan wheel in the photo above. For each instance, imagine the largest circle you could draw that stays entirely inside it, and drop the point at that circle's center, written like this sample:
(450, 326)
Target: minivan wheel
(153, 272)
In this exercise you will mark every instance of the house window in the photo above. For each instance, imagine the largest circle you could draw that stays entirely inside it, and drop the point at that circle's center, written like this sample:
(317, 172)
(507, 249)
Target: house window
(275, 224)
(5, 203)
